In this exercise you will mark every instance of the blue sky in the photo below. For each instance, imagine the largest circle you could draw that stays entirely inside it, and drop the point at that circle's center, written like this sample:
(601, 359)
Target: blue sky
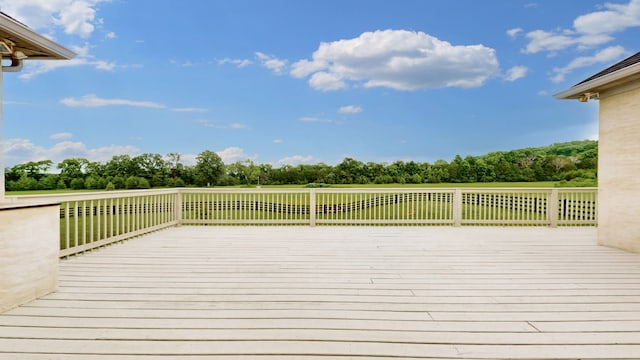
(290, 82)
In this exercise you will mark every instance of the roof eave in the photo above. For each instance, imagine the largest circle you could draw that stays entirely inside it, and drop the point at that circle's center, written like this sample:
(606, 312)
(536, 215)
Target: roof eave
(598, 84)
(51, 48)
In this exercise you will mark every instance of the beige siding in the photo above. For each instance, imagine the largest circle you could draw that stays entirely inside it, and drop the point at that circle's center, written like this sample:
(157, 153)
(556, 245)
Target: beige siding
(29, 248)
(619, 171)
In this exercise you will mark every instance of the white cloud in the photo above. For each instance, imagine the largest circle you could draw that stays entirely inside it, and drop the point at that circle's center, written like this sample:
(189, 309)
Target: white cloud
(75, 17)
(190, 110)
(92, 100)
(61, 136)
(237, 62)
(312, 119)
(34, 68)
(588, 30)
(188, 159)
(271, 62)
(228, 156)
(515, 73)
(278, 141)
(232, 154)
(606, 55)
(110, 35)
(296, 160)
(397, 59)
(18, 151)
(514, 32)
(616, 17)
(105, 153)
(326, 81)
(540, 40)
(350, 109)
(9, 102)
(82, 51)
(215, 125)
(305, 67)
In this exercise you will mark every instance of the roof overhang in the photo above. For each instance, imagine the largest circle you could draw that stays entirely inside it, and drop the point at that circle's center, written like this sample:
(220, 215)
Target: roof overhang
(29, 43)
(592, 89)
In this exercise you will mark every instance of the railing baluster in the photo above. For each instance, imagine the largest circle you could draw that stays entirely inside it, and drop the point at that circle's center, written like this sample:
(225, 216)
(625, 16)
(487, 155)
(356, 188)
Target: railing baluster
(75, 223)
(67, 226)
(91, 220)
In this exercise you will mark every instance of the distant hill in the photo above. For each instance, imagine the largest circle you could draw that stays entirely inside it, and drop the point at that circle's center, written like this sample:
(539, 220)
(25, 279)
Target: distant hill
(574, 161)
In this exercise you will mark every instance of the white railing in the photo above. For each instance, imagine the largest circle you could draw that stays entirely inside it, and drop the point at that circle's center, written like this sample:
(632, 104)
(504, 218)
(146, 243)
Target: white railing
(90, 220)
(245, 206)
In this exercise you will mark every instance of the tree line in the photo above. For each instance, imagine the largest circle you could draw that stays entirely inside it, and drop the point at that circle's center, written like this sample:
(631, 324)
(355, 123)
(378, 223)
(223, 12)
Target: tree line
(574, 163)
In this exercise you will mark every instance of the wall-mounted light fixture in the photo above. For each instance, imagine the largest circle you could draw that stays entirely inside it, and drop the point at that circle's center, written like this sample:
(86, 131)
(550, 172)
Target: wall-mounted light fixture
(589, 96)
(7, 51)
(19, 55)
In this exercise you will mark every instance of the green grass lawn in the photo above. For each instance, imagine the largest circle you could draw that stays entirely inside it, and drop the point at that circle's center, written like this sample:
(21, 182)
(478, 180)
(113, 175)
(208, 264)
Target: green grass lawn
(540, 184)
(48, 192)
(537, 184)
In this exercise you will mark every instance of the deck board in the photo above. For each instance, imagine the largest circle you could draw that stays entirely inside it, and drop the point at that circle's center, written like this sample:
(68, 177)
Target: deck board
(338, 292)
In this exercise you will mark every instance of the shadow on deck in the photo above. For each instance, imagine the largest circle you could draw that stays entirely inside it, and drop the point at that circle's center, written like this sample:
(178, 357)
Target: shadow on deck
(339, 292)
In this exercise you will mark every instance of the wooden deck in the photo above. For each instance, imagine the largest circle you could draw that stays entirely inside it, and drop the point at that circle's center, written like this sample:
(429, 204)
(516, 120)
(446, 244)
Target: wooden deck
(340, 293)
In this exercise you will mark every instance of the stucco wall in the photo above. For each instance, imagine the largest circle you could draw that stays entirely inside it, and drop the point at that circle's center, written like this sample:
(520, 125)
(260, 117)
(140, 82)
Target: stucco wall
(619, 171)
(29, 248)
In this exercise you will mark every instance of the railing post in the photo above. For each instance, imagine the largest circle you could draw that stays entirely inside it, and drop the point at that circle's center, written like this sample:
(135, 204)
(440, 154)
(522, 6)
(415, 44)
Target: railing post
(457, 207)
(552, 208)
(177, 207)
(312, 207)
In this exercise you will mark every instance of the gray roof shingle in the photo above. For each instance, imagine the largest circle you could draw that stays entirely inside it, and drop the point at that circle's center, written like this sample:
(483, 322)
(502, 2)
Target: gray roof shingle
(633, 59)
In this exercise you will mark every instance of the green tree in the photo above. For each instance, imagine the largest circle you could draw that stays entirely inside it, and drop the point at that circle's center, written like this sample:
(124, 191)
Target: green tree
(23, 184)
(460, 171)
(71, 169)
(49, 182)
(95, 183)
(77, 183)
(121, 165)
(209, 168)
(34, 169)
(136, 182)
(151, 166)
(349, 170)
(95, 169)
(438, 172)
(246, 171)
(174, 164)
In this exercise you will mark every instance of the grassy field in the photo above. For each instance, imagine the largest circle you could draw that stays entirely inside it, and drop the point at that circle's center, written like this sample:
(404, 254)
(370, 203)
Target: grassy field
(541, 184)
(48, 192)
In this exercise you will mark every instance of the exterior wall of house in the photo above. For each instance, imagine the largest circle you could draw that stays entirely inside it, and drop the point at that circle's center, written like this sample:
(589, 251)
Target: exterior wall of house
(29, 251)
(619, 171)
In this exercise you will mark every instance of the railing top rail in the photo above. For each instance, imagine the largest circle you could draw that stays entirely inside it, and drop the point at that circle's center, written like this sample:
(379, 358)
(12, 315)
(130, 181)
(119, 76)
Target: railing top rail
(384, 190)
(134, 193)
(94, 195)
(242, 190)
(529, 189)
